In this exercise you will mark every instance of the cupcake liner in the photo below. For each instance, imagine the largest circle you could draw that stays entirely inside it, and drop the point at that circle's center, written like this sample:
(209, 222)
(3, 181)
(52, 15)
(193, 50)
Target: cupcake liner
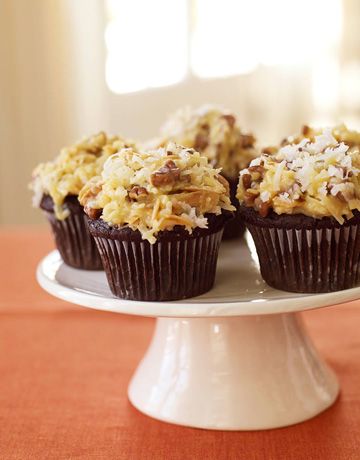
(309, 260)
(177, 266)
(72, 237)
(235, 228)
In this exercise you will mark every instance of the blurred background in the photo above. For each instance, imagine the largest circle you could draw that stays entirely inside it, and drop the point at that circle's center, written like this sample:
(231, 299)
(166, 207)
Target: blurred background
(71, 68)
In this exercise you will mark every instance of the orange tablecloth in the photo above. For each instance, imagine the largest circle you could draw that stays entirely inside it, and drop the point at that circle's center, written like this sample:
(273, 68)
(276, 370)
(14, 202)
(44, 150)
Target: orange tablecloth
(64, 371)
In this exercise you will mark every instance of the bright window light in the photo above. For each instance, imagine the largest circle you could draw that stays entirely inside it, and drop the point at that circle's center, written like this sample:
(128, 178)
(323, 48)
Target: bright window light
(146, 44)
(297, 32)
(235, 36)
(222, 42)
(154, 43)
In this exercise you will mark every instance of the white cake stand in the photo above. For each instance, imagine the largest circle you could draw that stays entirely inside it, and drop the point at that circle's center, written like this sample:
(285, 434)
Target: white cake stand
(236, 358)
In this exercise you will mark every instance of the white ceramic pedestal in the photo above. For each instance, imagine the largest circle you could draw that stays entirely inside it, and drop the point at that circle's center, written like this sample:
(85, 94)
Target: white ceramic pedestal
(239, 373)
(236, 358)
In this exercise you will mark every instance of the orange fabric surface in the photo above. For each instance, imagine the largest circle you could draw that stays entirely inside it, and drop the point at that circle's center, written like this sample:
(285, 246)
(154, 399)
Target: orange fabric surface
(64, 371)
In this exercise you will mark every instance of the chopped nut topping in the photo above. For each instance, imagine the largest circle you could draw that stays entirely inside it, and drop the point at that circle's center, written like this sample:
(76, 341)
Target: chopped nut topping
(256, 168)
(138, 193)
(271, 150)
(247, 140)
(306, 130)
(317, 177)
(97, 145)
(249, 197)
(215, 133)
(246, 179)
(200, 199)
(149, 191)
(167, 175)
(186, 178)
(91, 212)
(90, 192)
(73, 168)
(230, 120)
(201, 142)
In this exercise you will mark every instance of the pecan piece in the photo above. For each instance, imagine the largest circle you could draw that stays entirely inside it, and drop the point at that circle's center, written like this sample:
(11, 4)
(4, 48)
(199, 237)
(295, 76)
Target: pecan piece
(201, 142)
(92, 212)
(259, 169)
(186, 178)
(167, 175)
(246, 180)
(97, 143)
(247, 141)
(138, 193)
(306, 130)
(230, 119)
(96, 150)
(203, 200)
(270, 150)
(340, 197)
(250, 196)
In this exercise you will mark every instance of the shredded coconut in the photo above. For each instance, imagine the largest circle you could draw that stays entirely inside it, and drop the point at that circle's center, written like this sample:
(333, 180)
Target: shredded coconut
(265, 196)
(307, 177)
(157, 190)
(73, 168)
(255, 162)
(213, 132)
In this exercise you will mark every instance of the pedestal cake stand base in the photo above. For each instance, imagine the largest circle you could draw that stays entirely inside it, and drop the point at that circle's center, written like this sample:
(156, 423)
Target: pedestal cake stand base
(239, 373)
(235, 358)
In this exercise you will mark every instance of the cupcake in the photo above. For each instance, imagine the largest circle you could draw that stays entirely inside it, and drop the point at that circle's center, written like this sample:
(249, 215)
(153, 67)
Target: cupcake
(56, 186)
(215, 133)
(301, 205)
(157, 218)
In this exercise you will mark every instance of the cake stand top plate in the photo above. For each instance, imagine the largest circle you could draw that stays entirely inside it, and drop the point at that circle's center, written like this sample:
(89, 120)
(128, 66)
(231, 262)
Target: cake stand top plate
(239, 290)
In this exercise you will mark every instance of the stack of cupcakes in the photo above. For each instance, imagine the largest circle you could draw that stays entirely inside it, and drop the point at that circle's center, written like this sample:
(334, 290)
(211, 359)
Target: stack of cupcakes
(56, 186)
(215, 133)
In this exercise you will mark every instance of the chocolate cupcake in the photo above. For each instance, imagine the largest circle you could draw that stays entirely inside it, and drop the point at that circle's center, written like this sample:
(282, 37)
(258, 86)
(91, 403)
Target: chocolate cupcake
(215, 133)
(56, 186)
(301, 205)
(157, 218)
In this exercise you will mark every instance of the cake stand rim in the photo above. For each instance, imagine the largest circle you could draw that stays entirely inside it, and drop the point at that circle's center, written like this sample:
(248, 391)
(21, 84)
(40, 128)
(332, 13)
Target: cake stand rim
(166, 309)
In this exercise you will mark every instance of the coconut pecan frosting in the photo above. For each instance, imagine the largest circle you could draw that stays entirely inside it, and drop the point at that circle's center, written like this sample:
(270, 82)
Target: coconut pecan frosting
(215, 133)
(156, 190)
(73, 168)
(317, 178)
(340, 132)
